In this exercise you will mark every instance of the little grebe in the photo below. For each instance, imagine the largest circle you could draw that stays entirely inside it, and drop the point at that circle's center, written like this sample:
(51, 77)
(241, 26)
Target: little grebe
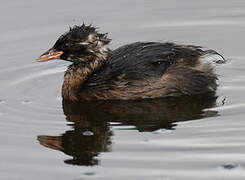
(135, 71)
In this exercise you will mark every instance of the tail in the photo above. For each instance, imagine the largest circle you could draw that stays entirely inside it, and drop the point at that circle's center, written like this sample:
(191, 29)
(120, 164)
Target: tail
(211, 52)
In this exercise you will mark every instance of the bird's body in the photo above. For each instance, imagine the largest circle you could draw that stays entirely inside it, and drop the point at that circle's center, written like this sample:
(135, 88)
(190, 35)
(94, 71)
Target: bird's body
(139, 70)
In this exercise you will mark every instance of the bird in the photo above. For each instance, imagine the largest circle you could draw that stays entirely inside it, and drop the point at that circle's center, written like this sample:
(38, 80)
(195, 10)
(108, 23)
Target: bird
(135, 71)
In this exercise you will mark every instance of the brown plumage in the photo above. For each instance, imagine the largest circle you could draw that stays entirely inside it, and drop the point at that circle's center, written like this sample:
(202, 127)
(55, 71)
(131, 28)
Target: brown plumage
(139, 70)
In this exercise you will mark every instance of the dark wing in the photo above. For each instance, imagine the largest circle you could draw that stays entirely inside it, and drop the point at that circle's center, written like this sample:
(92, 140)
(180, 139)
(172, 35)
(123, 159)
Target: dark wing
(136, 63)
(151, 69)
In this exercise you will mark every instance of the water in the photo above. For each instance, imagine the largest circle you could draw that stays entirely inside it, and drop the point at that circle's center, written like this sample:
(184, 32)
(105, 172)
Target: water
(44, 138)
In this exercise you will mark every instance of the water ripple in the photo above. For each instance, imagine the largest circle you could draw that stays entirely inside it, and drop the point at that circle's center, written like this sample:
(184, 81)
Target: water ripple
(193, 23)
(38, 74)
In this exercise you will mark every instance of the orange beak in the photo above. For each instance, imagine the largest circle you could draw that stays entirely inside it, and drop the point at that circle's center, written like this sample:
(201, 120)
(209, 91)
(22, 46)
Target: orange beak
(50, 55)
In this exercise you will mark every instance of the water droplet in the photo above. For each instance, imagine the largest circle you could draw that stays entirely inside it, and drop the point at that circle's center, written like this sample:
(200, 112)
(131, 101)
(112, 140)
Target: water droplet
(26, 102)
(230, 166)
(88, 133)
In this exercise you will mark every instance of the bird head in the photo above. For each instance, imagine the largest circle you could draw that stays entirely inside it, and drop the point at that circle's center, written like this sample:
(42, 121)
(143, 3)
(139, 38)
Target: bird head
(79, 44)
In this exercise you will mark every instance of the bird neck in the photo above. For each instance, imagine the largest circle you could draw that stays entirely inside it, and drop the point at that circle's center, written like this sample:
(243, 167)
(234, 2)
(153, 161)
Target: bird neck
(77, 74)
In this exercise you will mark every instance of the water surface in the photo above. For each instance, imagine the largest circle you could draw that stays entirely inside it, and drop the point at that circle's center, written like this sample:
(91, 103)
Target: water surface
(43, 137)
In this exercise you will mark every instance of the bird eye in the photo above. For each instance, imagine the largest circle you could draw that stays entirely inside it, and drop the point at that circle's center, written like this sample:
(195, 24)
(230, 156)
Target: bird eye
(157, 63)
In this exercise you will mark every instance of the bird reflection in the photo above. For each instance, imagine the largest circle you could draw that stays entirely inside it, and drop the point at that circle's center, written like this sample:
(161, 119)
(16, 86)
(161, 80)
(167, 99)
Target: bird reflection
(91, 122)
